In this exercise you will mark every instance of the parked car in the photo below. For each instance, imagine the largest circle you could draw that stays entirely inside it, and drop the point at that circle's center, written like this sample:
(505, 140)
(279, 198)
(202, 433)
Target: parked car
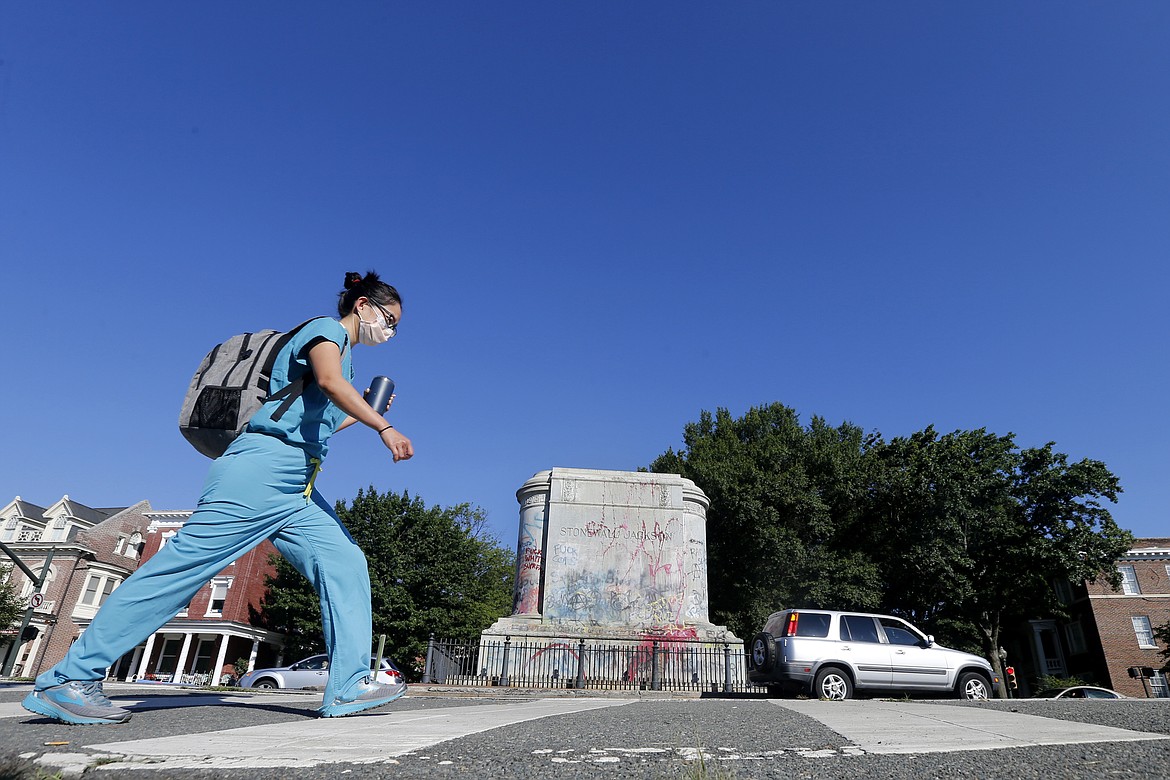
(832, 655)
(1080, 692)
(310, 672)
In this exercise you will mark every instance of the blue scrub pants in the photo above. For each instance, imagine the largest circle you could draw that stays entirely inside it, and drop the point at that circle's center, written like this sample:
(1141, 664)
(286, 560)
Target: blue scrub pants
(254, 491)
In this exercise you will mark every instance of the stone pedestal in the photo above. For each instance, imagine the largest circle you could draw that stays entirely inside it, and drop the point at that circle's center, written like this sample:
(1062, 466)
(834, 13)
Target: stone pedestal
(611, 555)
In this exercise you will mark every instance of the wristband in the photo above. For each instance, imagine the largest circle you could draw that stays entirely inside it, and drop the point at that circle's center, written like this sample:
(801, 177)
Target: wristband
(388, 427)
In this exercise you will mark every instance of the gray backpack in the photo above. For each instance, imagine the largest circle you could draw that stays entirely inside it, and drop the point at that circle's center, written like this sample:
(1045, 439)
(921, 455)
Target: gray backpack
(231, 385)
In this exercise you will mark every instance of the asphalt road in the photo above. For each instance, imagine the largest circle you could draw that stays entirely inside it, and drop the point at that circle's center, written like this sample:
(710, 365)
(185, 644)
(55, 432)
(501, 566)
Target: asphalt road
(193, 734)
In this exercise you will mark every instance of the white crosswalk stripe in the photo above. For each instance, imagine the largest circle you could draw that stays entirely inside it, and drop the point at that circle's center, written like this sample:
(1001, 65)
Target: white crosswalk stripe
(377, 736)
(903, 727)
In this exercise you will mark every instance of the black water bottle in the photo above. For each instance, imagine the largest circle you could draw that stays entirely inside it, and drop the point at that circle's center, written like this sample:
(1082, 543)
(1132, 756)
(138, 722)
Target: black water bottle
(381, 388)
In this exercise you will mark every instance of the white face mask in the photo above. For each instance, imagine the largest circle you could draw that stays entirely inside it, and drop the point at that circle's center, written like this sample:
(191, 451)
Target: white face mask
(373, 333)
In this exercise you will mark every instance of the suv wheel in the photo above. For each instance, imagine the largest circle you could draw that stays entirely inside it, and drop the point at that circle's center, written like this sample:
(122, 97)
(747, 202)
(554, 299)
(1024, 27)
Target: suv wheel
(973, 687)
(763, 651)
(833, 684)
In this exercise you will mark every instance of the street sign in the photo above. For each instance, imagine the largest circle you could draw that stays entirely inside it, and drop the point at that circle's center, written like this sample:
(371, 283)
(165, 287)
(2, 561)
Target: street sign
(36, 600)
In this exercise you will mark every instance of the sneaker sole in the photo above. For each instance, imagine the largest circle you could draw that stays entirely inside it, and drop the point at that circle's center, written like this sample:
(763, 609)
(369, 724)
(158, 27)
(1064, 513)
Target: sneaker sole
(341, 710)
(34, 703)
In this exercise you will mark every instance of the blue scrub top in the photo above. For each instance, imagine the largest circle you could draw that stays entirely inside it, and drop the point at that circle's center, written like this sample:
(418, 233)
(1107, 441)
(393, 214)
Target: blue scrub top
(312, 418)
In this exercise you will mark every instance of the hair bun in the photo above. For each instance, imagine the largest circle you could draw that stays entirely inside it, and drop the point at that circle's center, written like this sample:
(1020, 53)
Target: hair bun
(352, 279)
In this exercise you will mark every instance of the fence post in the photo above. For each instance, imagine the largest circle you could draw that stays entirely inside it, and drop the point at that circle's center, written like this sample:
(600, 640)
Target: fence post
(579, 683)
(430, 657)
(505, 681)
(726, 668)
(376, 666)
(655, 675)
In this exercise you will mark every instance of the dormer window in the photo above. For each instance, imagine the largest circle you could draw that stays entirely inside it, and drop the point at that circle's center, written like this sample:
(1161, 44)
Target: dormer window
(59, 529)
(132, 547)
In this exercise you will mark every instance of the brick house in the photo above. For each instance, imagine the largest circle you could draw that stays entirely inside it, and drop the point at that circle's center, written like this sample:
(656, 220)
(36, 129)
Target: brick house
(1108, 632)
(95, 550)
(220, 625)
(92, 551)
(1125, 621)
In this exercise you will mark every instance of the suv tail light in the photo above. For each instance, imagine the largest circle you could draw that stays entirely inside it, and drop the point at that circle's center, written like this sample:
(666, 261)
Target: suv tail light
(790, 627)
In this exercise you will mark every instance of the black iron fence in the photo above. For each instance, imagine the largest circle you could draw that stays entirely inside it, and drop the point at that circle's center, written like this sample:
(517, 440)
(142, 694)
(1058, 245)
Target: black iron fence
(597, 663)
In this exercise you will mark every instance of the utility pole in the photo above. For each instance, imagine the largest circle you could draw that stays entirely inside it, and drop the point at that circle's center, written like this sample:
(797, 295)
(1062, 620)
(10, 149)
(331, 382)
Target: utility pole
(38, 583)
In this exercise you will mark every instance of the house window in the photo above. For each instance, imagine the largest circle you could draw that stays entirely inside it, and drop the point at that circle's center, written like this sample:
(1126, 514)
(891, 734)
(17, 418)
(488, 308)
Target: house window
(1159, 687)
(219, 591)
(1063, 591)
(132, 547)
(29, 587)
(108, 588)
(120, 546)
(168, 659)
(1076, 638)
(1143, 631)
(205, 655)
(1129, 583)
(89, 595)
(98, 587)
(13, 523)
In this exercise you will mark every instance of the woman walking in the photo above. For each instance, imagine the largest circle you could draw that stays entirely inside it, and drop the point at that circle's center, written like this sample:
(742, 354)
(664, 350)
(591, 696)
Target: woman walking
(261, 488)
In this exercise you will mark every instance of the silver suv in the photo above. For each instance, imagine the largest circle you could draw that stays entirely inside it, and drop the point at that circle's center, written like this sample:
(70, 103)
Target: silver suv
(832, 654)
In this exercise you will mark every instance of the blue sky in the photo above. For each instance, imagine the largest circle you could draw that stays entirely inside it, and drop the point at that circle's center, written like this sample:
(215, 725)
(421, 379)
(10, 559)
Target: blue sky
(603, 217)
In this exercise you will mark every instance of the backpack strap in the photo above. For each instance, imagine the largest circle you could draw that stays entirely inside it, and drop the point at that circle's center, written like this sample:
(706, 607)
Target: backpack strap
(289, 394)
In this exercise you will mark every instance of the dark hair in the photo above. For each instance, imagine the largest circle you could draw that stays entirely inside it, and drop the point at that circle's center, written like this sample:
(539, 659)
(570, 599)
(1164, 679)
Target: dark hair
(368, 286)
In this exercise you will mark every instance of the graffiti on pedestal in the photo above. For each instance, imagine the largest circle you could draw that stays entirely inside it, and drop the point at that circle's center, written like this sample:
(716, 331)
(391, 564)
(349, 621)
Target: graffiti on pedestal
(529, 561)
(630, 573)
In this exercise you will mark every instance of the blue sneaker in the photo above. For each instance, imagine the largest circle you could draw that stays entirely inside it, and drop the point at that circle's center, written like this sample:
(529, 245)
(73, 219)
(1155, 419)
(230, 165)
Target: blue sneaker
(77, 703)
(369, 695)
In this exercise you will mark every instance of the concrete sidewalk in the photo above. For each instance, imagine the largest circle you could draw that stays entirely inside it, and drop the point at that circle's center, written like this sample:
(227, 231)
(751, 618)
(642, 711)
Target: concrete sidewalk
(913, 727)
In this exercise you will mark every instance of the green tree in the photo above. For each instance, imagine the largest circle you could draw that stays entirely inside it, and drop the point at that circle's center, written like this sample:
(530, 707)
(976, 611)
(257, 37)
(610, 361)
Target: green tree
(432, 570)
(962, 533)
(1162, 634)
(927, 496)
(970, 532)
(11, 607)
(786, 501)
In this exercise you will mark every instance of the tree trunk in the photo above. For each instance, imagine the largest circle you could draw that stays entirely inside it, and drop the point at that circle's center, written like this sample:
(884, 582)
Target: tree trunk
(989, 630)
